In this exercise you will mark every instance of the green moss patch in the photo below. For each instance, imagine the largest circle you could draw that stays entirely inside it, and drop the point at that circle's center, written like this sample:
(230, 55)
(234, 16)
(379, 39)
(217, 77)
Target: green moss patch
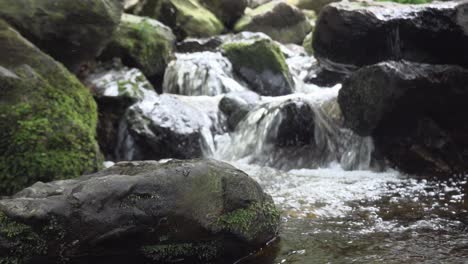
(47, 118)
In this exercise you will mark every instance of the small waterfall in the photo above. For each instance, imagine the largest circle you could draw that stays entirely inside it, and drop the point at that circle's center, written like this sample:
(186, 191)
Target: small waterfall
(200, 73)
(296, 131)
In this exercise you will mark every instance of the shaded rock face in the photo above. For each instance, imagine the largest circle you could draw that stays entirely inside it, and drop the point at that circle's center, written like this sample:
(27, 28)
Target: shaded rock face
(142, 43)
(237, 105)
(200, 73)
(282, 22)
(351, 35)
(229, 11)
(115, 88)
(187, 18)
(191, 211)
(71, 31)
(415, 112)
(315, 5)
(47, 120)
(169, 126)
(261, 64)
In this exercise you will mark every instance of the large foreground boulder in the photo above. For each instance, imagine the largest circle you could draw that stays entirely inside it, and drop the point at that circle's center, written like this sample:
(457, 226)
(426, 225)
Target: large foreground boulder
(351, 35)
(69, 30)
(279, 20)
(142, 43)
(187, 18)
(415, 112)
(261, 64)
(145, 212)
(47, 117)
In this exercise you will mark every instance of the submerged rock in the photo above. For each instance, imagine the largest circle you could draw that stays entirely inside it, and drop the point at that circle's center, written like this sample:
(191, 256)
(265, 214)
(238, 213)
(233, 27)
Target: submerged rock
(115, 89)
(69, 30)
(200, 73)
(415, 112)
(260, 63)
(187, 18)
(229, 11)
(279, 20)
(192, 211)
(142, 43)
(350, 35)
(47, 120)
(169, 126)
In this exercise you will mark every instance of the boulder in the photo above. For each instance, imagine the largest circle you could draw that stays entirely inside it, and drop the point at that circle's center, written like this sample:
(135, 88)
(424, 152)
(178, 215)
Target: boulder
(115, 89)
(315, 5)
(47, 117)
(415, 112)
(256, 3)
(69, 30)
(169, 126)
(237, 105)
(352, 34)
(187, 18)
(200, 73)
(279, 20)
(192, 45)
(194, 211)
(142, 43)
(229, 11)
(261, 64)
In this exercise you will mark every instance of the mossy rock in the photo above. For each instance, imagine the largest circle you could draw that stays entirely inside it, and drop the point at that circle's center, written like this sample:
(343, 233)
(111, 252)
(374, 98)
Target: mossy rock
(261, 64)
(187, 18)
(279, 20)
(142, 43)
(195, 211)
(71, 31)
(47, 117)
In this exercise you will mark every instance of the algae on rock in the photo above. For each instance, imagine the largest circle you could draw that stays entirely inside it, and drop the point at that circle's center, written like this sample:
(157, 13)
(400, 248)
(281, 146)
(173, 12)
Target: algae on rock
(142, 43)
(47, 117)
(279, 20)
(187, 18)
(261, 64)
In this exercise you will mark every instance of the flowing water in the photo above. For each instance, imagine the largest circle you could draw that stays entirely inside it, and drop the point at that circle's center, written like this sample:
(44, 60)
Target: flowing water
(338, 205)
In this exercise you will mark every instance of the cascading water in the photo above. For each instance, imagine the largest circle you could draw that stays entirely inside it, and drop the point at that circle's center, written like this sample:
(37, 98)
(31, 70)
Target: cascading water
(336, 209)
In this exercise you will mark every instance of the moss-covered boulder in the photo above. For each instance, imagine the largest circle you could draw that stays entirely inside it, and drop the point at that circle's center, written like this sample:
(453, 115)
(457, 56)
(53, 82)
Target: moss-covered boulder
(143, 212)
(71, 31)
(47, 118)
(229, 11)
(279, 20)
(142, 43)
(187, 18)
(261, 64)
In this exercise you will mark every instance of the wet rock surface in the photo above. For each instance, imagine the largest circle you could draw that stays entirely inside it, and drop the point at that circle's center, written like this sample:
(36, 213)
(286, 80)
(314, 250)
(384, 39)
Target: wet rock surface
(353, 35)
(415, 112)
(237, 105)
(168, 126)
(193, 211)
